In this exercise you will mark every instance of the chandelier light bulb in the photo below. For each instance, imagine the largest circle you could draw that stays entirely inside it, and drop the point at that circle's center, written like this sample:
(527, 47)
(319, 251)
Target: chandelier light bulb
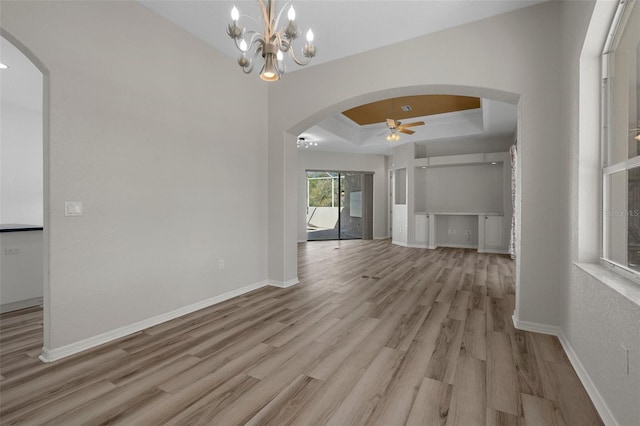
(243, 45)
(291, 14)
(309, 35)
(279, 55)
(235, 14)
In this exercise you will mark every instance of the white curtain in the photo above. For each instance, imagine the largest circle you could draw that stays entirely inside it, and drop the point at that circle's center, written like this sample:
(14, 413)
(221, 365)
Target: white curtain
(513, 151)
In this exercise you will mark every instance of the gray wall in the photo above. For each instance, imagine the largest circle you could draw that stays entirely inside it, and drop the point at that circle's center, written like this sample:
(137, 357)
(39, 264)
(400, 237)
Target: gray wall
(597, 320)
(167, 157)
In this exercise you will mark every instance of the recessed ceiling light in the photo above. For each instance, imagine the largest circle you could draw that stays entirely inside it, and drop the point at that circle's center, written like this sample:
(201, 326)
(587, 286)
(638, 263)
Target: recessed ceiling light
(3, 66)
(494, 163)
(406, 108)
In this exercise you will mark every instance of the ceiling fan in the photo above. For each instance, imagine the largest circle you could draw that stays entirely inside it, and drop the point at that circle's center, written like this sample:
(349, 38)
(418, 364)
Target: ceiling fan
(396, 127)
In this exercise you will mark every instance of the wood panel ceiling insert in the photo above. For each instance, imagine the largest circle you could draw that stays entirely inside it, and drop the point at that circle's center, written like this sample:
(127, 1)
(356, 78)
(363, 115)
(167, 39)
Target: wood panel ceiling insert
(420, 106)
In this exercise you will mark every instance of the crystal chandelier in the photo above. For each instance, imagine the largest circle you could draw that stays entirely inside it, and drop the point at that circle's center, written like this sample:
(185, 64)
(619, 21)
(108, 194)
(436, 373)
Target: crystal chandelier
(272, 45)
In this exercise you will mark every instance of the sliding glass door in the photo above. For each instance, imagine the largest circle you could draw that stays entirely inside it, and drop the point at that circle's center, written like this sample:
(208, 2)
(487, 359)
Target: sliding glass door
(335, 202)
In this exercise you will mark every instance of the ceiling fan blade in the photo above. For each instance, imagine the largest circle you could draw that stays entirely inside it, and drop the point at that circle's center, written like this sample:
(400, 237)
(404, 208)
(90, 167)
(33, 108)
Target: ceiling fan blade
(417, 123)
(403, 130)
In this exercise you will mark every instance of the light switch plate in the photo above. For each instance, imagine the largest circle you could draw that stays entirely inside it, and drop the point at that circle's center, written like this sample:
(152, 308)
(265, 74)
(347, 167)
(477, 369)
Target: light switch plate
(73, 208)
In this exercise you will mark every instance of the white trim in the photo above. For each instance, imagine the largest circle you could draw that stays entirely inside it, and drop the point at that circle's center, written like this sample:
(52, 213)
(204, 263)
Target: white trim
(20, 304)
(536, 327)
(622, 285)
(601, 406)
(597, 400)
(386, 237)
(622, 166)
(284, 284)
(399, 243)
(464, 246)
(50, 355)
(422, 245)
(494, 251)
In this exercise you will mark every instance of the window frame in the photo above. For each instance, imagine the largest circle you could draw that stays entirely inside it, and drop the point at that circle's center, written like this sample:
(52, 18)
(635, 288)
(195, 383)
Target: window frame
(618, 26)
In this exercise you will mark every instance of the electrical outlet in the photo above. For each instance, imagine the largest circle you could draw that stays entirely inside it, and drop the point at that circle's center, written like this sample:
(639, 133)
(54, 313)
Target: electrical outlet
(221, 264)
(11, 251)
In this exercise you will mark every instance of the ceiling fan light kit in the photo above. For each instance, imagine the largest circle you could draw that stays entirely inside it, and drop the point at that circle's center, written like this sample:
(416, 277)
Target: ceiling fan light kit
(272, 44)
(397, 126)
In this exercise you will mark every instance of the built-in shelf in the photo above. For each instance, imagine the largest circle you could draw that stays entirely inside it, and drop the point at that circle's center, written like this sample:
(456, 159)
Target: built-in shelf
(462, 213)
(462, 159)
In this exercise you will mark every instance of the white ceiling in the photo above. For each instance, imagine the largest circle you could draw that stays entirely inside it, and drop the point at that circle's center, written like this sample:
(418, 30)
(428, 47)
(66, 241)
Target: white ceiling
(342, 28)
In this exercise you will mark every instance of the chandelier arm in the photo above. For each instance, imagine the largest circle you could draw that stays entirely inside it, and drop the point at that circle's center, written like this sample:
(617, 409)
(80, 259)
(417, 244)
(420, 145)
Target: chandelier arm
(247, 69)
(255, 38)
(302, 63)
(253, 18)
(283, 43)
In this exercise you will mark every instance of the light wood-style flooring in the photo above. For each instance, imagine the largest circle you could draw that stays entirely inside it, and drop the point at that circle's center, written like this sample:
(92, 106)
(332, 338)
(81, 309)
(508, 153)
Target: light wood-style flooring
(374, 334)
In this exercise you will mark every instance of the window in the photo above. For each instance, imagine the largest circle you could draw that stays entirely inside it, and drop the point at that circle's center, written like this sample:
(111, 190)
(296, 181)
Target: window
(621, 137)
(322, 189)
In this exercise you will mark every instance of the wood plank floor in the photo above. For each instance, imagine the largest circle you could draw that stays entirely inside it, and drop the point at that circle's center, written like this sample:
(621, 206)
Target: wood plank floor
(373, 334)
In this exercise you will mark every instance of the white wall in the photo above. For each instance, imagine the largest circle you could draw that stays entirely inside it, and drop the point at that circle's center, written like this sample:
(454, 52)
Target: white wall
(21, 199)
(469, 188)
(166, 155)
(319, 160)
(597, 320)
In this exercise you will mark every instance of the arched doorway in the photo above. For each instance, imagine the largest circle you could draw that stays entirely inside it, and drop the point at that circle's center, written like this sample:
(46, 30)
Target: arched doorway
(24, 179)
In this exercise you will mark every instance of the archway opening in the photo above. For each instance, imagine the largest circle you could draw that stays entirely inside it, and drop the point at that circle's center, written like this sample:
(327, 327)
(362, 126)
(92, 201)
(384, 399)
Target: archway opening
(24, 178)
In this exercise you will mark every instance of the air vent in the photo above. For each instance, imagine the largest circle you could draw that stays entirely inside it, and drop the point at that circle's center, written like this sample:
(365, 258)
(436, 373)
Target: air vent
(406, 108)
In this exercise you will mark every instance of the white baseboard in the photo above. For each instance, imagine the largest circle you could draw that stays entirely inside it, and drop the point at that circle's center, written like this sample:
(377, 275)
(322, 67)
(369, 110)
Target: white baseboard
(50, 355)
(536, 327)
(399, 243)
(423, 245)
(601, 406)
(21, 304)
(494, 251)
(284, 284)
(464, 246)
(386, 237)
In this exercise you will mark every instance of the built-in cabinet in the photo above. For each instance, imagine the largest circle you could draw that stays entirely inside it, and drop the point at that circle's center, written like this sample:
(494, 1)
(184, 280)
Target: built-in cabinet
(490, 234)
(453, 201)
